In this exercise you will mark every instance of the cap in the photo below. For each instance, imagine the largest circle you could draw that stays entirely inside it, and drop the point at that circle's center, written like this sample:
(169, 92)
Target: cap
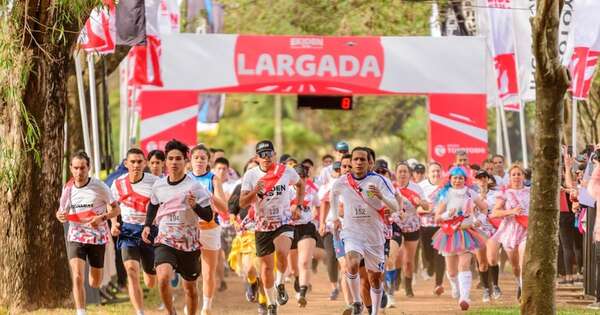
(381, 164)
(284, 157)
(482, 173)
(337, 165)
(412, 163)
(419, 168)
(342, 146)
(264, 145)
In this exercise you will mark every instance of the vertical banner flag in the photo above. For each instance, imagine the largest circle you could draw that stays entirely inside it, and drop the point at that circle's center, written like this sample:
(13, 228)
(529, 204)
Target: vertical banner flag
(457, 122)
(98, 34)
(586, 46)
(130, 19)
(166, 115)
(523, 11)
(144, 60)
(502, 42)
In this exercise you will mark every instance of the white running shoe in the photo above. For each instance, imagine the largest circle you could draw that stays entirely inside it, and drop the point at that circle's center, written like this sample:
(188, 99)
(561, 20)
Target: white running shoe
(391, 302)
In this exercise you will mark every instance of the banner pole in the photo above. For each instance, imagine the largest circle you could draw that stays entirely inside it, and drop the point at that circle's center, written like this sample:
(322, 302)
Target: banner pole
(523, 132)
(499, 144)
(574, 125)
(505, 132)
(94, 109)
(82, 105)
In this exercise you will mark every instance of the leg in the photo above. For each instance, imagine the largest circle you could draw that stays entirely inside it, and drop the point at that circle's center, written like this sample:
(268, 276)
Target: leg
(566, 242)
(452, 274)
(191, 296)
(352, 276)
(344, 283)
(132, 268)
(365, 287)
(293, 268)
(77, 277)
(306, 248)
(464, 279)
(330, 261)
(164, 274)
(410, 249)
(376, 292)
(209, 259)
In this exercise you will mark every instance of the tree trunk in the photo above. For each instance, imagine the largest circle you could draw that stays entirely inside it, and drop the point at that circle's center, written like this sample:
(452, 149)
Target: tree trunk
(542, 242)
(36, 41)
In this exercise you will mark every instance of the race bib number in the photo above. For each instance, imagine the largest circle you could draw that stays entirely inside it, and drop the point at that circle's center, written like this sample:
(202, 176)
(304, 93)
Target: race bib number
(360, 212)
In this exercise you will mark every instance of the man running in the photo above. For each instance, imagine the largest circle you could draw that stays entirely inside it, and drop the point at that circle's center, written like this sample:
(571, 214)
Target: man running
(364, 195)
(132, 191)
(341, 148)
(156, 163)
(87, 204)
(178, 202)
(266, 188)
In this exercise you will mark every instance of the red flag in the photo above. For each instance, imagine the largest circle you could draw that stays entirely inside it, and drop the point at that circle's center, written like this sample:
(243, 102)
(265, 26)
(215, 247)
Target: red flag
(144, 63)
(99, 31)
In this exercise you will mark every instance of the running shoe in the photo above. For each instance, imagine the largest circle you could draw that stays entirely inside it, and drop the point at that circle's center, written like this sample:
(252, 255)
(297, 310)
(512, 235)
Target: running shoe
(296, 284)
(594, 306)
(223, 286)
(496, 293)
(251, 290)
(347, 310)
(333, 295)
(439, 290)
(391, 302)
(262, 309)
(282, 296)
(357, 308)
(464, 305)
(486, 296)
(384, 301)
(272, 309)
(518, 293)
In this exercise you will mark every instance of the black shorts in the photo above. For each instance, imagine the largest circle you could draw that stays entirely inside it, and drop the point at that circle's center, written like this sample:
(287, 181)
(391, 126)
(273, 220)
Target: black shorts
(386, 248)
(264, 240)
(142, 254)
(320, 243)
(93, 253)
(187, 264)
(396, 234)
(304, 231)
(411, 236)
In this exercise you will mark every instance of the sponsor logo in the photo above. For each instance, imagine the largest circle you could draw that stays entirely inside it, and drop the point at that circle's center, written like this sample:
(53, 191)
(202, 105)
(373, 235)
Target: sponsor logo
(306, 42)
(439, 150)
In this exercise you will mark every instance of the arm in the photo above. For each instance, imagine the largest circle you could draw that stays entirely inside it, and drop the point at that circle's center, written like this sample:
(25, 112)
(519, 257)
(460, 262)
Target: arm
(151, 212)
(568, 163)
(439, 210)
(499, 210)
(219, 199)
(480, 203)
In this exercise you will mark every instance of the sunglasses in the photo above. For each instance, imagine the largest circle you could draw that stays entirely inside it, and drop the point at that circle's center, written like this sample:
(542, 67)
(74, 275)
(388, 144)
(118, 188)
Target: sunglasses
(381, 172)
(266, 154)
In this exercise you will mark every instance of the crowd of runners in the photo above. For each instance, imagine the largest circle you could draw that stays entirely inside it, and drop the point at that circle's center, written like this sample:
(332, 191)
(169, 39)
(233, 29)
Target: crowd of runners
(368, 222)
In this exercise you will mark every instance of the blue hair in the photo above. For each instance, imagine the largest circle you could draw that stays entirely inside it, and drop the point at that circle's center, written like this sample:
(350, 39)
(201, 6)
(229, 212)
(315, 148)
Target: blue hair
(454, 171)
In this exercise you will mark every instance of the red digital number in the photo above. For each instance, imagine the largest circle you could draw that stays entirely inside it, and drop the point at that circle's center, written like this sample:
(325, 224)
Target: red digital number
(346, 103)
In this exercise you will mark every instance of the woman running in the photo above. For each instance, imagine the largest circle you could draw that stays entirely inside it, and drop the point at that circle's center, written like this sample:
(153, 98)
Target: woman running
(408, 220)
(458, 237)
(210, 232)
(512, 204)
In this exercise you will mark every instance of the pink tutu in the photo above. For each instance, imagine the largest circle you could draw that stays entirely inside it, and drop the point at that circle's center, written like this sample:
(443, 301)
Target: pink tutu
(510, 234)
(459, 242)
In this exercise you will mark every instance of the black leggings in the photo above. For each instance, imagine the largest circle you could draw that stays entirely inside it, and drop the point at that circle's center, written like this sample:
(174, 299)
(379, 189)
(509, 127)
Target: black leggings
(571, 242)
(330, 260)
(432, 259)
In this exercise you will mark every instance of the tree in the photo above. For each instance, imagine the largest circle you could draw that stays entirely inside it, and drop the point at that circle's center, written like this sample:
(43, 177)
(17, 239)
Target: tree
(36, 42)
(551, 83)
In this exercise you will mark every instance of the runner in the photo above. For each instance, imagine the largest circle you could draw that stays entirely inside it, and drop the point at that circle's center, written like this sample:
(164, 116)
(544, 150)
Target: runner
(326, 160)
(500, 174)
(418, 174)
(133, 191)
(210, 235)
(86, 203)
(458, 237)
(177, 203)
(266, 188)
(512, 204)
(433, 261)
(305, 235)
(341, 149)
(408, 221)
(486, 184)
(156, 163)
(364, 195)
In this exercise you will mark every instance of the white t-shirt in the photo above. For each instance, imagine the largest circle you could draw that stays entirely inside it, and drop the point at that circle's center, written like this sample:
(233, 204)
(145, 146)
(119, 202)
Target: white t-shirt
(362, 222)
(230, 185)
(325, 176)
(410, 223)
(501, 181)
(94, 196)
(311, 200)
(273, 210)
(430, 192)
(132, 210)
(177, 222)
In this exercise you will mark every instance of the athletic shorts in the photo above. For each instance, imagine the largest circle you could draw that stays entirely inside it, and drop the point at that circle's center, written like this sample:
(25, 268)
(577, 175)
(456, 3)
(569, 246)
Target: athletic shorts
(187, 264)
(320, 243)
(134, 248)
(92, 253)
(374, 255)
(142, 254)
(264, 240)
(304, 231)
(211, 238)
(396, 234)
(411, 236)
(338, 246)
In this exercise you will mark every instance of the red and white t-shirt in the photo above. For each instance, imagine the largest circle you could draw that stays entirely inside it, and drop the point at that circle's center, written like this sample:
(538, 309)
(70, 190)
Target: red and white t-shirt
(133, 198)
(87, 201)
(273, 210)
(430, 192)
(311, 200)
(177, 222)
(410, 221)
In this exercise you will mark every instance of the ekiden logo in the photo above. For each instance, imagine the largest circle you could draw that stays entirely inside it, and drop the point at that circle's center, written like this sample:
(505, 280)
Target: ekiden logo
(440, 150)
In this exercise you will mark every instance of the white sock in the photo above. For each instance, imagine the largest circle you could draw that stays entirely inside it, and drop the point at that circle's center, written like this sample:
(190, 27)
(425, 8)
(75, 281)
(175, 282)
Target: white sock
(80, 311)
(271, 293)
(453, 282)
(206, 303)
(140, 312)
(279, 278)
(519, 281)
(464, 279)
(376, 300)
(354, 285)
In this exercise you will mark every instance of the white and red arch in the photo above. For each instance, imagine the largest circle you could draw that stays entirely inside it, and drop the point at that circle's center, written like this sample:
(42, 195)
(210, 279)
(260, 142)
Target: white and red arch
(450, 70)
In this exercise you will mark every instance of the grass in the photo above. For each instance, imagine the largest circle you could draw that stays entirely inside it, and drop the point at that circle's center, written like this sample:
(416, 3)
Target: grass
(515, 310)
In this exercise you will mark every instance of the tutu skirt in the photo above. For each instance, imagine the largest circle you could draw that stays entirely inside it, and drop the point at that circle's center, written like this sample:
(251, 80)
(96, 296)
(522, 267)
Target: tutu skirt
(458, 242)
(243, 244)
(510, 234)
